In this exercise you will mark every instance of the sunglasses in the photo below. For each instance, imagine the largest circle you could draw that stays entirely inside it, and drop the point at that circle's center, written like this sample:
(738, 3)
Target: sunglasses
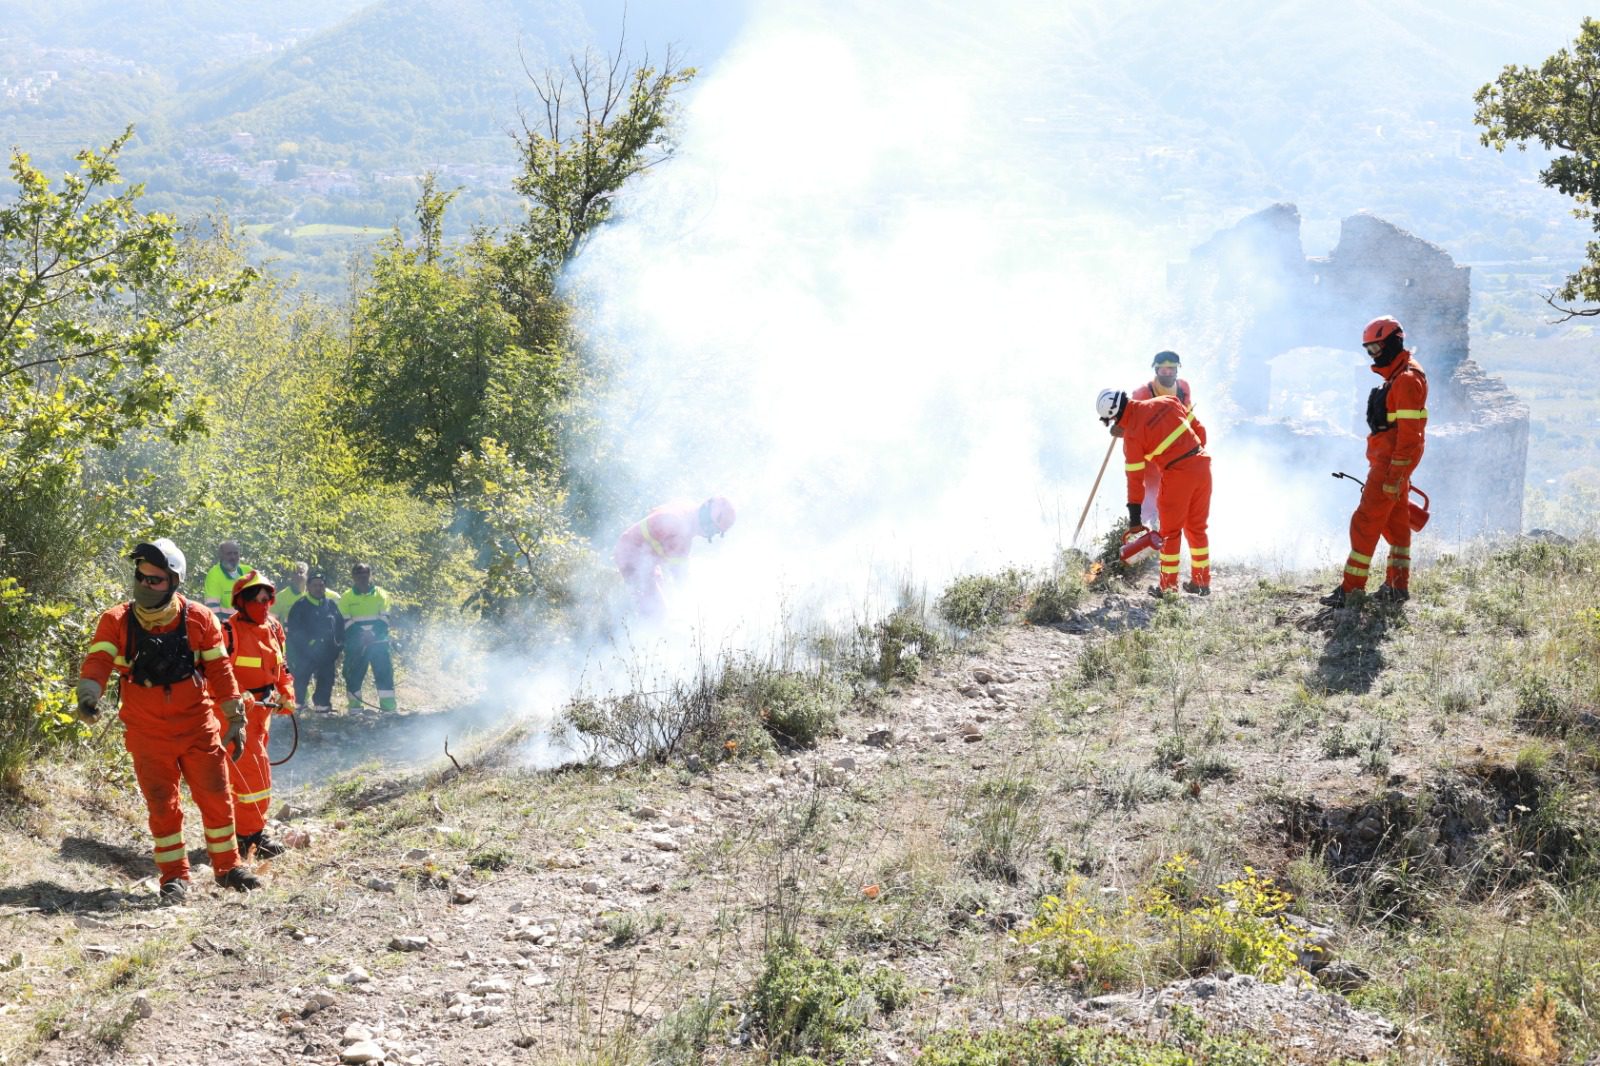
(153, 580)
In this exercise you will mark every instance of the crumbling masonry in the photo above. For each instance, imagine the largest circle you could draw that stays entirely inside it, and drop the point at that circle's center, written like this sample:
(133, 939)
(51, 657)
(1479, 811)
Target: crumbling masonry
(1266, 297)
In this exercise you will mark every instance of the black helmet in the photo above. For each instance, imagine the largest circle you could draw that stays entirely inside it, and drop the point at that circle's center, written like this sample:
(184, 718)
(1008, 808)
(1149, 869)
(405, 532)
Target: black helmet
(1166, 357)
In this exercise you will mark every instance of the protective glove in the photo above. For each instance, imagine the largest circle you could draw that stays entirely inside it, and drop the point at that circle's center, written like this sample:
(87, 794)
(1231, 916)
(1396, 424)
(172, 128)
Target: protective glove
(1134, 516)
(233, 739)
(88, 700)
(285, 706)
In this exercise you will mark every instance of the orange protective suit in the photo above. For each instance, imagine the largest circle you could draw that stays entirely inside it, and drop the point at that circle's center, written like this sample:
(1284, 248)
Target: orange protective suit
(655, 548)
(257, 654)
(1152, 473)
(172, 734)
(1164, 432)
(1397, 415)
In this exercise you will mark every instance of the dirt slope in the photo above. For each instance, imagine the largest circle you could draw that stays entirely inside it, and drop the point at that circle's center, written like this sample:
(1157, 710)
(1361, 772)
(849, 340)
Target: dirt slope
(504, 916)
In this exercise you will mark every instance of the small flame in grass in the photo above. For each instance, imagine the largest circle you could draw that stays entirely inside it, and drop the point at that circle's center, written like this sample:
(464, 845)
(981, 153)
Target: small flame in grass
(1093, 572)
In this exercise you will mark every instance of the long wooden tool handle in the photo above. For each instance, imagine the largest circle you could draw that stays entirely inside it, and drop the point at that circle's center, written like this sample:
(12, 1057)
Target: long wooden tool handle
(1087, 503)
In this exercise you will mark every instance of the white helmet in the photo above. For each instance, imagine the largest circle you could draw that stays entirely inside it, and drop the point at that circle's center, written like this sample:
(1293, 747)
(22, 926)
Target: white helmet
(1110, 404)
(162, 552)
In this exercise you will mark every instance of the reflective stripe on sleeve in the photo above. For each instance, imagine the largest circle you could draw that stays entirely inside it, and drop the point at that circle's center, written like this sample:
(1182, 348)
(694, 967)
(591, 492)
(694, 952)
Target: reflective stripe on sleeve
(1133, 467)
(1395, 416)
(212, 654)
(105, 646)
(1174, 435)
(248, 660)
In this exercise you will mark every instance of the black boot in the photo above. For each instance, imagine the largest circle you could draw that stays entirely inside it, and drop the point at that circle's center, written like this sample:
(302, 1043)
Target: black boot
(1334, 598)
(1390, 594)
(1198, 590)
(240, 880)
(175, 891)
(265, 847)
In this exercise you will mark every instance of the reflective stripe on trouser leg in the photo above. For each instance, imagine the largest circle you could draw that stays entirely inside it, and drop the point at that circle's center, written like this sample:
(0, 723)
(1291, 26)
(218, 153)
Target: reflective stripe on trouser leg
(1372, 518)
(251, 776)
(1186, 508)
(205, 768)
(158, 774)
(1398, 533)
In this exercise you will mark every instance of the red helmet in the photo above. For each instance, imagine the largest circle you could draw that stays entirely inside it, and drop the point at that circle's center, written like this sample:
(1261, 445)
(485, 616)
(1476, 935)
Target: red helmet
(1381, 329)
(716, 515)
(254, 579)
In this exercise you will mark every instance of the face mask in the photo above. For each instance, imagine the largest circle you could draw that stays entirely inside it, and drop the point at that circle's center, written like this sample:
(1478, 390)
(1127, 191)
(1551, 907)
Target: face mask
(150, 598)
(255, 610)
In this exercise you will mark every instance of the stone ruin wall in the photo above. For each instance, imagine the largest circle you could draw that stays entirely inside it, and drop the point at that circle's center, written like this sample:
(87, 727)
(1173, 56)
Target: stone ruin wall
(1277, 298)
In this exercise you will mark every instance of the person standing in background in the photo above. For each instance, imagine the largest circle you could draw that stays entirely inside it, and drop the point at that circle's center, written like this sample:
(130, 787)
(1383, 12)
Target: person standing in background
(220, 578)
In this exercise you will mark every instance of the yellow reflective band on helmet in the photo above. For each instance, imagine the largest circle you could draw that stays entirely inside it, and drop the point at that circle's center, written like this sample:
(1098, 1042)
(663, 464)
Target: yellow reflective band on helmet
(1133, 467)
(168, 854)
(217, 847)
(1397, 415)
(254, 797)
(212, 654)
(1358, 557)
(167, 842)
(219, 832)
(248, 660)
(1174, 435)
(105, 646)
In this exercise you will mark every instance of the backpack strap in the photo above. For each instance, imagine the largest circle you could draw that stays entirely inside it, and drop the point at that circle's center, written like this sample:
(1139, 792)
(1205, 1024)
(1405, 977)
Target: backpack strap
(227, 634)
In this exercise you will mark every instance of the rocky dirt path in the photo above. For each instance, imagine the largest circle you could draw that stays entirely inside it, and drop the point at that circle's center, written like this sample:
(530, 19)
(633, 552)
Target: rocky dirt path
(506, 917)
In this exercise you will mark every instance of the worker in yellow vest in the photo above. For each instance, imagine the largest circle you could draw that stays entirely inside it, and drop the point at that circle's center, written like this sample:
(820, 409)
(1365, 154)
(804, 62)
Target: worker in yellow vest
(221, 577)
(366, 639)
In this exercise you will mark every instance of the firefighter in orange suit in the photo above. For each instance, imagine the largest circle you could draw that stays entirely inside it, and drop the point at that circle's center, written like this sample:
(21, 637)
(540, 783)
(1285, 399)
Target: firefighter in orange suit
(656, 547)
(1165, 433)
(169, 652)
(256, 647)
(1397, 421)
(1165, 383)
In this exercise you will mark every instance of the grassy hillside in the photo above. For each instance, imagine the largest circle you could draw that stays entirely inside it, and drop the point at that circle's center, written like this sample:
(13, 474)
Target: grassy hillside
(1243, 830)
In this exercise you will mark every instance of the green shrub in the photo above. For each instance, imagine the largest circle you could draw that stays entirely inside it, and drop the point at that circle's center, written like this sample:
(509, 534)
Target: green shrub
(898, 646)
(1054, 599)
(798, 709)
(805, 1004)
(981, 600)
(1052, 1042)
(1124, 657)
(493, 858)
(1004, 825)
